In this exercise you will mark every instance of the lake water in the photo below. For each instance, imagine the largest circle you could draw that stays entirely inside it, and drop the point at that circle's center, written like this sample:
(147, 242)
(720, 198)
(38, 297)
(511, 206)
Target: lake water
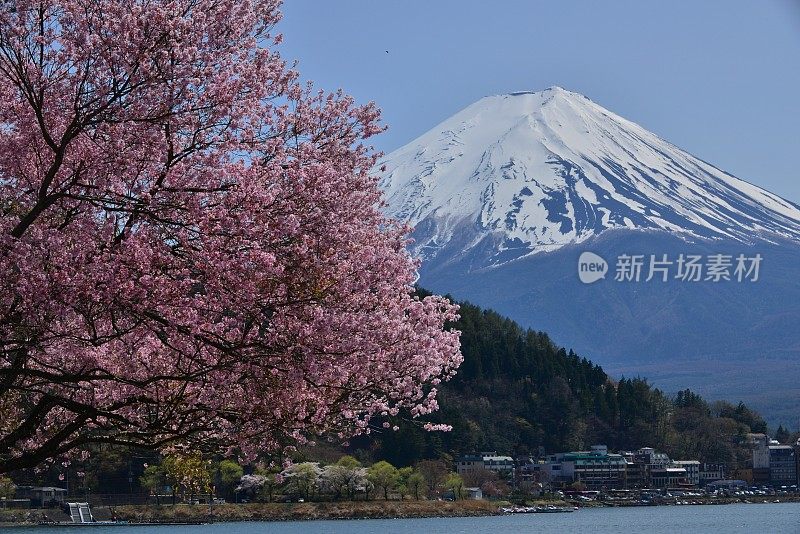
(732, 518)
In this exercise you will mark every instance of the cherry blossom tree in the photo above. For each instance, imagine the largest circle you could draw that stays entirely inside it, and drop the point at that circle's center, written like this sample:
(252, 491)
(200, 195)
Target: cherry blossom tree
(250, 486)
(345, 476)
(191, 247)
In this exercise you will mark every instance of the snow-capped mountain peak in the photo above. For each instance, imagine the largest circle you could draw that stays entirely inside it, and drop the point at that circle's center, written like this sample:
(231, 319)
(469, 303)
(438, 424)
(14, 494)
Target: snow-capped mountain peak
(525, 172)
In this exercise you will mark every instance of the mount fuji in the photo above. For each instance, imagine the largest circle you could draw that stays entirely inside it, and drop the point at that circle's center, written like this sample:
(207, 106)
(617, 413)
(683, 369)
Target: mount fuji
(506, 195)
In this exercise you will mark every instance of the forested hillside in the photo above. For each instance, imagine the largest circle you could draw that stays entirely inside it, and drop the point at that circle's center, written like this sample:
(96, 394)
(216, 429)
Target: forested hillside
(517, 392)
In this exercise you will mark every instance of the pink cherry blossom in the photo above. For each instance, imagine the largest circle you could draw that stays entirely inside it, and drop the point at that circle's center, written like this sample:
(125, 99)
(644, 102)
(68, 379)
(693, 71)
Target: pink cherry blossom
(191, 248)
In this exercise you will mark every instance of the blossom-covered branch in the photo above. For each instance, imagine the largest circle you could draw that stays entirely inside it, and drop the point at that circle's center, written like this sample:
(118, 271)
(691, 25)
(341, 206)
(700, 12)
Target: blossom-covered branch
(191, 247)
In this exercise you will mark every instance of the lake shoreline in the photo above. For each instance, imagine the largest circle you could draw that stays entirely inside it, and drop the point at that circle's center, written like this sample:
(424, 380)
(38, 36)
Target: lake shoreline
(314, 511)
(736, 518)
(188, 514)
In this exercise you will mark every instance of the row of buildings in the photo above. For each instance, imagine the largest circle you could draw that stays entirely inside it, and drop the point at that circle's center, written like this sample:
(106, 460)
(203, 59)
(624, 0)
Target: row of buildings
(598, 469)
(773, 463)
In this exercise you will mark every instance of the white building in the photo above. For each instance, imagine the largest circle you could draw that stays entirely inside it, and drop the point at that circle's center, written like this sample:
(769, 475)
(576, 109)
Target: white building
(595, 468)
(760, 446)
(653, 458)
(491, 461)
(499, 464)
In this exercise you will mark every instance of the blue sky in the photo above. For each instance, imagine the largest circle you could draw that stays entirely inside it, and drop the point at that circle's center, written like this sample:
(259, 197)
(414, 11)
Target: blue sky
(719, 78)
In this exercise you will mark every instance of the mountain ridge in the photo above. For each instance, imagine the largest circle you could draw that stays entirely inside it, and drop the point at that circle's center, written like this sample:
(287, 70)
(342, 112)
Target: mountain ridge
(534, 171)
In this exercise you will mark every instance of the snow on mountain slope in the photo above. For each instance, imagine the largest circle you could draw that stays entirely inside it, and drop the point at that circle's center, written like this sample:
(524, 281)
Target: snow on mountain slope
(536, 171)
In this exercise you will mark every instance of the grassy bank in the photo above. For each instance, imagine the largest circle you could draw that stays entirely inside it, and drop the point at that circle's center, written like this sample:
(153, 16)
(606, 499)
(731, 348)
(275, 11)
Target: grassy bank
(304, 511)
